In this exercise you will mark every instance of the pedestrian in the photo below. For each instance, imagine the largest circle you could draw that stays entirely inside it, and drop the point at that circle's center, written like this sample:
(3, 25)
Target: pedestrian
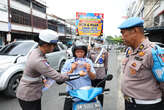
(100, 60)
(140, 88)
(78, 64)
(29, 90)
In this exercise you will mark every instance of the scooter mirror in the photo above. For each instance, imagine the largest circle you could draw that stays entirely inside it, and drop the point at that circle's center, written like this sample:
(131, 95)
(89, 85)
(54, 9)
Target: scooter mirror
(109, 77)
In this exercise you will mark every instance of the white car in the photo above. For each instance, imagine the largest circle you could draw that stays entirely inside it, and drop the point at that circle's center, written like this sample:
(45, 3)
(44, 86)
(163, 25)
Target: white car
(12, 62)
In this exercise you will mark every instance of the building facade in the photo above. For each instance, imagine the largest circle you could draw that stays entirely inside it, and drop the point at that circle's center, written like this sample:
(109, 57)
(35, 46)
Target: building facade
(152, 11)
(28, 17)
(3, 20)
(24, 19)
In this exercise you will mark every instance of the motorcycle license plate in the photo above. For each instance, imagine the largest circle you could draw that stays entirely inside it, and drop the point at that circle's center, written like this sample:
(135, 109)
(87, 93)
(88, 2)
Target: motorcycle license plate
(89, 106)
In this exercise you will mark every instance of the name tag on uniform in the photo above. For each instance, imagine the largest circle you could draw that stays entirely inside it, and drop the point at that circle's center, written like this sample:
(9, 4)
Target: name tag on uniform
(138, 58)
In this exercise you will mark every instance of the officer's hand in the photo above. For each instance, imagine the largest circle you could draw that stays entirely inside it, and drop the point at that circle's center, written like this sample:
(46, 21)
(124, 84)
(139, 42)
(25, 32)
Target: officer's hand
(82, 73)
(87, 66)
(89, 47)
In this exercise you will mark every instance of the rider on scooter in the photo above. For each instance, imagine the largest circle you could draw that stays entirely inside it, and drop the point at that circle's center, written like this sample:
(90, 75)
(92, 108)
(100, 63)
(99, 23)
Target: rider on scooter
(78, 64)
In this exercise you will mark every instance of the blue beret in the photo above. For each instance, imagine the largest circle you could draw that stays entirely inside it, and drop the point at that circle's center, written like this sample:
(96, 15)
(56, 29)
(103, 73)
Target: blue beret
(132, 22)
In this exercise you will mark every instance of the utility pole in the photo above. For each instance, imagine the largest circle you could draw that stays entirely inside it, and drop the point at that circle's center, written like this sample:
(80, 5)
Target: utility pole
(31, 14)
(9, 23)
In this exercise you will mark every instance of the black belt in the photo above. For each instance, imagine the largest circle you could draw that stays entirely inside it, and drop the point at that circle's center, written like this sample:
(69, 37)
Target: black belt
(143, 102)
(130, 99)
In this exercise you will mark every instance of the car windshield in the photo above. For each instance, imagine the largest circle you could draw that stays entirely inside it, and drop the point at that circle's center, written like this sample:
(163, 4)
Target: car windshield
(17, 48)
(62, 46)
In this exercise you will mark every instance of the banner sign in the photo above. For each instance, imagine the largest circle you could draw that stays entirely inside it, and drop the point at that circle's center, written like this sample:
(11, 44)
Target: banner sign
(89, 24)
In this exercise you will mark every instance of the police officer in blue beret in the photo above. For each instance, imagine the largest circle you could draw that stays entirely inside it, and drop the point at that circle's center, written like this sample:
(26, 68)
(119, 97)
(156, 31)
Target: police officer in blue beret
(140, 88)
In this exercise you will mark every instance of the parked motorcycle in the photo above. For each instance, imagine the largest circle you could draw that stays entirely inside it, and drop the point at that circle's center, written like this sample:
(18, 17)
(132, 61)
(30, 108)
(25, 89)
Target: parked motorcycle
(87, 96)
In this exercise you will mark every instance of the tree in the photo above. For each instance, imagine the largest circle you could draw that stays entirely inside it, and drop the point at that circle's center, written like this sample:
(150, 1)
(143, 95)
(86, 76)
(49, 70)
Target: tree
(109, 39)
(116, 39)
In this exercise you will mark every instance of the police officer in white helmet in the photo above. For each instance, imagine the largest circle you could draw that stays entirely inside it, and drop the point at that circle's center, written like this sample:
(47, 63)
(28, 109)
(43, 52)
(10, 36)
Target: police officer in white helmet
(29, 91)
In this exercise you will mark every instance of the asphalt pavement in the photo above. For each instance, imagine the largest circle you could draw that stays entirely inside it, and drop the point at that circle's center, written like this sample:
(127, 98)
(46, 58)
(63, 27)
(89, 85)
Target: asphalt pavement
(51, 101)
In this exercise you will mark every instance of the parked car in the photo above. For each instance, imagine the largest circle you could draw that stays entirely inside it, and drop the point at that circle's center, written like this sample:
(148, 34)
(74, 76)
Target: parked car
(1, 46)
(13, 57)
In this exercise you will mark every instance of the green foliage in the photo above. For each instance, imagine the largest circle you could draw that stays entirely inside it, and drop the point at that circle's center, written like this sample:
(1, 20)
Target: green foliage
(116, 39)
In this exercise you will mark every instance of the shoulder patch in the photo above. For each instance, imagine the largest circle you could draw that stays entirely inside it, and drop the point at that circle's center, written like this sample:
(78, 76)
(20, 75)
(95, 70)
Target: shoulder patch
(141, 47)
(132, 71)
(141, 53)
(134, 64)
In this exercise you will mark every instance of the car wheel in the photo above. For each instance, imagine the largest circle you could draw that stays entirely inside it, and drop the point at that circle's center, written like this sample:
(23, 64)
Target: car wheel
(12, 85)
(61, 65)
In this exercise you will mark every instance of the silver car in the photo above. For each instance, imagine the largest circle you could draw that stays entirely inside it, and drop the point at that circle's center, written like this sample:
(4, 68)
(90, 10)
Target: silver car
(12, 62)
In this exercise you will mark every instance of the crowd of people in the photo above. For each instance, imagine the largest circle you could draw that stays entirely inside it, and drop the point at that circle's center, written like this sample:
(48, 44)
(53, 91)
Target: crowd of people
(140, 88)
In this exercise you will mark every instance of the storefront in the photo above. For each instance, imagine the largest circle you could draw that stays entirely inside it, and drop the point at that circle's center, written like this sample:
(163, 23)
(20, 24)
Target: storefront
(155, 34)
(2, 38)
(19, 35)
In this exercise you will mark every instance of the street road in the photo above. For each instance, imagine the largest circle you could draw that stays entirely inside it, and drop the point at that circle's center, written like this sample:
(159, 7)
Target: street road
(51, 100)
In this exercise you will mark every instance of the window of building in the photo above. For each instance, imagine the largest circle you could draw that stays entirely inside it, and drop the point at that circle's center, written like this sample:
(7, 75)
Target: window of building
(61, 29)
(39, 22)
(142, 12)
(156, 21)
(39, 7)
(52, 26)
(162, 19)
(25, 19)
(25, 2)
(20, 17)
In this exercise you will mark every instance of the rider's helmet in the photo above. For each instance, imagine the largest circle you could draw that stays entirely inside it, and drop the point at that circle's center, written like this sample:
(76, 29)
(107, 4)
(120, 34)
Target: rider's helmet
(48, 36)
(79, 47)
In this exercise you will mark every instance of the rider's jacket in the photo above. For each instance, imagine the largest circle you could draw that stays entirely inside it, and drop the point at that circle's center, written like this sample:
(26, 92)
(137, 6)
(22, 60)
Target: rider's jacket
(82, 81)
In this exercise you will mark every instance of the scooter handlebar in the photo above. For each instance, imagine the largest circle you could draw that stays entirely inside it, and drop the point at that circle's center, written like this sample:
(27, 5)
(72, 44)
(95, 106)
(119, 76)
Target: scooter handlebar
(63, 94)
(106, 89)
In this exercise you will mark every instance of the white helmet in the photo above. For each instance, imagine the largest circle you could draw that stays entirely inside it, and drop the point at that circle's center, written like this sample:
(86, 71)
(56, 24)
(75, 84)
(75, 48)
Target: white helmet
(48, 36)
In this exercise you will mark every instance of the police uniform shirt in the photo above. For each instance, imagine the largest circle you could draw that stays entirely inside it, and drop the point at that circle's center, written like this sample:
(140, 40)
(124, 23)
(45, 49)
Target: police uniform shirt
(100, 71)
(36, 65)
(82, 81)
(138, 80)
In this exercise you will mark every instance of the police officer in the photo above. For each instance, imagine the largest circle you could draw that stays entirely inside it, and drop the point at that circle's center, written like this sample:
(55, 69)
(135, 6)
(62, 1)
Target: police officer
(29, 90)
(99, 56)
(140, 88)
(79, 63)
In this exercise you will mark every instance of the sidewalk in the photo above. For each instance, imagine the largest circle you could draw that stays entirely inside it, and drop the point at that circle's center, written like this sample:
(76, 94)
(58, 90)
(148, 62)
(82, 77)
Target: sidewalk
(120, 95)
(114, 100)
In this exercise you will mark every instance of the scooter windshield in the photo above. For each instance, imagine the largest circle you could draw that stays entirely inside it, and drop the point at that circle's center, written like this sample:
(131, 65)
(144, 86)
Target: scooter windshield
(85, 95)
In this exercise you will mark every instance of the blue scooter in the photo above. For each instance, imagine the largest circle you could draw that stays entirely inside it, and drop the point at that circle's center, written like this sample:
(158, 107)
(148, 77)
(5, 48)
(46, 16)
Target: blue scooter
(87, 96)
